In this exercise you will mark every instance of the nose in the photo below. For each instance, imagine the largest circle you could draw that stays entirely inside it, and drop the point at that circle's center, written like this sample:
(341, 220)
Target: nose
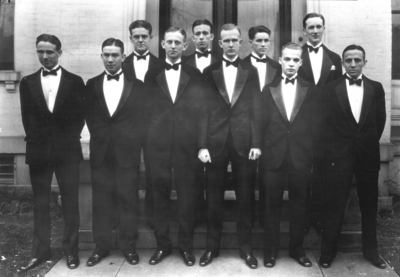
(109, 59)
(230, 44)
(44, 55)
(140, 39)
(263, 43)
(353, 64)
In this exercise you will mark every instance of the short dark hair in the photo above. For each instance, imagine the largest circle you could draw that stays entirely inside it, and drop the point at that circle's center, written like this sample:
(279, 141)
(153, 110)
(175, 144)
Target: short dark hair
(173, 29)
(311, 15)
(111, 42)
(140, 24)
(228, 27)
(291, 45)
(49, 38)
(353, 47)
(258, 29)
(202, 22)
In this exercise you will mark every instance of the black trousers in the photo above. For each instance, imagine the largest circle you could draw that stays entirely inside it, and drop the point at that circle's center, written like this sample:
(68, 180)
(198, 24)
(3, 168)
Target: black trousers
(273, 182)
(183, 174)
(114, 186)
(244, 172)
(336, 190)
(68, 181)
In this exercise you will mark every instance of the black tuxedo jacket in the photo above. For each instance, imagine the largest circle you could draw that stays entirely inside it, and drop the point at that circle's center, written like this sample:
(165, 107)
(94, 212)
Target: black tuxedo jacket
(345, 140)
(327, 75)
(59, 130)
(191, 60)
(241, 118)
(298, 133)
(173, 127)
(123, 128)
(129, 70)
(274, 69)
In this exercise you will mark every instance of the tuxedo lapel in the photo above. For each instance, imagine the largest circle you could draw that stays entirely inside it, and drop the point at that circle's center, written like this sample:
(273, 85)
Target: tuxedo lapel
(162, 82)
(270, 74)
(192, 61)
(306, 66)
(126, 91)
(63, 92)
(129, 69)
(35, 87)
(241, 78)
(213, 59)
(276, 93)
(301, 93)
(98, 87)
(366, 104)
(183, 82)
(219, 80)
(341, 93)
(326, 67)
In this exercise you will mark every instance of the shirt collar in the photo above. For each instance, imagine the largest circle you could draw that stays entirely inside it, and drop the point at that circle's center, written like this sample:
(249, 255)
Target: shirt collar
(118, 72)
(255, 55)
(318, 45)
(359, 77)
(145, 53)
(225, 57)
(167, 61)
(284, 76)
(197, 50)
(54, 68)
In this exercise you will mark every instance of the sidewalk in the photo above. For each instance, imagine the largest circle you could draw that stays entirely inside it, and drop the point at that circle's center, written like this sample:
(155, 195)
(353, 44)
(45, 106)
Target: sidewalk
(227, 264)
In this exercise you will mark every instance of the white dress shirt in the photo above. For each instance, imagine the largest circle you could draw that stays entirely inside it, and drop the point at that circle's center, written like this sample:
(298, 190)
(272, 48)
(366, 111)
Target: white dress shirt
(173, 77)
(356, 95)
(113, 91)
(230, 73)
(141, 66)
(289, 94)
(316, 61)
(50, 85)
(202, 62)
(261, 68)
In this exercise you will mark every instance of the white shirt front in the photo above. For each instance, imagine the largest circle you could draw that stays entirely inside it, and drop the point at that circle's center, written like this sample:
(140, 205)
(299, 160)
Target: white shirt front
(113, 91)
(230, 73)
(202, 62)
(141, 66)
(356, 95)
(316, 61)
(261, 68)
(50, 85)
(289, 94)
(173, 77)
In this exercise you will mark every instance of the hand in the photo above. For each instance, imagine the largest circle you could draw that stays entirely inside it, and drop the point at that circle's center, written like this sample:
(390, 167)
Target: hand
(204, 155)
(254, 154)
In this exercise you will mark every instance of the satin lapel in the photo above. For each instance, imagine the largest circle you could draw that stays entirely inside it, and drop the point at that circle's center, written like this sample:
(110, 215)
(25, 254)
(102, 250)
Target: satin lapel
(366, 104)
(98, 87)
(341, 93)
(220, 82)
(270, 74)
(63, 92)
(301, 93)
(126, 91)
(326, 68)
(129, 69)
(213, 60)
(183, 82)
(306, 66)
(37, 92)
(162, 82)
(276, 93)
(241, 78)
(192, 61)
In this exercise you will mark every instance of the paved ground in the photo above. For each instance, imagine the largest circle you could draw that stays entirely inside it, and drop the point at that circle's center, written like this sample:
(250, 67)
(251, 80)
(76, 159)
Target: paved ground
(227, 264)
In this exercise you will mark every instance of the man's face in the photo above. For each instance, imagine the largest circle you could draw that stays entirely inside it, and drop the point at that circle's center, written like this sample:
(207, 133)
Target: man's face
(353, 62)
(112, 58)
(174, 45)
(48, 55)
(314, 30)
(230, 43)
(140, 38)
(202, 37)
(290, 61)
(260, 44)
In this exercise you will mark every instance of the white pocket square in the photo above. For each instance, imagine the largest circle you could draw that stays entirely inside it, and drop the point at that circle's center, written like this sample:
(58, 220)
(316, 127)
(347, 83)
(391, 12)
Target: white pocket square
(333, 68)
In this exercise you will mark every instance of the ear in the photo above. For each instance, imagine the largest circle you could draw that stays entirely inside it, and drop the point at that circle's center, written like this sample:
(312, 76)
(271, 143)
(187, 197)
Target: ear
(342, 63)
(123, 57)
(220, 43)
(365, 63)
(193, 39)
(212, 37)
(304, 32)
(301, 62)
(150, 37)
(240, 42)
(163, 44)
(59, 52)
(185, 45)
(250, 41)
(280, 60)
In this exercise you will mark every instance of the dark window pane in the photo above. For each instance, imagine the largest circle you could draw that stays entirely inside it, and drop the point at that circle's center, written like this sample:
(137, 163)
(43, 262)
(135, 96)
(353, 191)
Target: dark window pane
(7, 34)
(396, 46)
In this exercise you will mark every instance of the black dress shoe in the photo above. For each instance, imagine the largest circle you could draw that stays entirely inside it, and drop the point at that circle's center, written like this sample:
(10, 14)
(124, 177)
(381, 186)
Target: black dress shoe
(132, 258)
(250, 260)
(159, 256)
(72, 261)
(188, 258)
(207, 258)
(34, 262)
(303, 260)
(269, 261)
(325, 261)
(97, 257)
(376, 260)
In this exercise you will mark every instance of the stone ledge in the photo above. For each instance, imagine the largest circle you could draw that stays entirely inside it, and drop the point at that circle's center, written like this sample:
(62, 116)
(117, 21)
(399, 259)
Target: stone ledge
(10, 77)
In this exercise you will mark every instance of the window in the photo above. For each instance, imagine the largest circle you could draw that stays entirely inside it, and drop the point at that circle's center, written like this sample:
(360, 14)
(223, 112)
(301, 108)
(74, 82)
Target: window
(6, 169)
(7, 34)
(395, 39)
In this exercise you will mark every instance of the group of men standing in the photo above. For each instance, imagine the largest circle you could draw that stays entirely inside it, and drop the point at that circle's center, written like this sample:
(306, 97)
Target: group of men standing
(310, 127)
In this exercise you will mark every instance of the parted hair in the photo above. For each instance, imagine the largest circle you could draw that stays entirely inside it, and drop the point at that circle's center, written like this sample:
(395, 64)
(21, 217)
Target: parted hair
(49, 38)
(258, 29)
(291, 45)
(173, 29)
(111, 42)
(140, 24)
(311, 15)
(202, 22)
(228, 27)
(353, 47)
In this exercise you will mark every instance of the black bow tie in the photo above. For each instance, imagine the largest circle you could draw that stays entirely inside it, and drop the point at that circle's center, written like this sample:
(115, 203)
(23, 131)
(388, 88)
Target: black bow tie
(260, 60)
(311, 49)
(358, 82)
(287, 80)
(51, 72)
(113, 77)
(141, 57)
(172, 66)
(204, 54)
(235, 63)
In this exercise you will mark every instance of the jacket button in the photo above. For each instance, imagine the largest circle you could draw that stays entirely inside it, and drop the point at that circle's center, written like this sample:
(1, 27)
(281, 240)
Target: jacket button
(333, 164)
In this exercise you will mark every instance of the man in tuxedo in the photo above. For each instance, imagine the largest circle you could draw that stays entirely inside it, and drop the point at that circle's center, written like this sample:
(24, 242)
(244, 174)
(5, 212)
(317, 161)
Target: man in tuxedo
(53, 120)
(231, 134)
(114, 114)
(320, 66)
(136, 65)
(287, 135)
(175, 111)
(202, 38)
(354, 121)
